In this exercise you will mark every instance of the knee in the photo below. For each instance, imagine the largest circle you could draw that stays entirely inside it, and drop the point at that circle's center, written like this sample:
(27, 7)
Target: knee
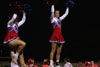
(24, 44)
(53, 50)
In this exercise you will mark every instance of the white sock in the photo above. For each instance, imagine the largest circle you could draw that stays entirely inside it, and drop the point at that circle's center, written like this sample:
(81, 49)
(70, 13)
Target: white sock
(17, 54)
(51, 62)
(57, 60)
(16, 57)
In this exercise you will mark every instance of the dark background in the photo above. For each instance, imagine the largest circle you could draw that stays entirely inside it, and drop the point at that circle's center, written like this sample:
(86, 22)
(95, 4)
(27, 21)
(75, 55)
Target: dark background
(80, 30)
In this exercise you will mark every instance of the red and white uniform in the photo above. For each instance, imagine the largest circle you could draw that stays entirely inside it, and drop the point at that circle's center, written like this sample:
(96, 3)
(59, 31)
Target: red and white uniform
(32, 66)
(13, 28)
(94, 65)
(44, 66)
(87, 66)
(99, 65)
(56, 23)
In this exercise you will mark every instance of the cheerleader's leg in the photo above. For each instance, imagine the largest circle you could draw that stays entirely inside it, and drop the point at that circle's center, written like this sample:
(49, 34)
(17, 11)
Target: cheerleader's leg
(17, 43)
(53, 49)
(59, 49)
(12, 56)
(13, 63)
(21, 44)
(21, 60)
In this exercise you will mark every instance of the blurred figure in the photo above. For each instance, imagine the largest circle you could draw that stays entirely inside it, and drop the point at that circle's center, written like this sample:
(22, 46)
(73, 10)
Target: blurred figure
(87, 64)
(31, 62)
(45, 63)
(67, 63)
(93, 64)
(80, 64)
(99, 63)
(35, 66)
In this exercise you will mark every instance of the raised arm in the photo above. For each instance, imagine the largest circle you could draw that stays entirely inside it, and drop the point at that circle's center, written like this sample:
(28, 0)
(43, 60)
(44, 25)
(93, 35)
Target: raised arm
(52, 11)
(66, 13)
(12, 19)
(23, 20)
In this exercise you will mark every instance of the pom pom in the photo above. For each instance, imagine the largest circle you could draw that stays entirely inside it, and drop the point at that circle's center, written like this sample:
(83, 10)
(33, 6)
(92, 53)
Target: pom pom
(27, 8)
(70, 3)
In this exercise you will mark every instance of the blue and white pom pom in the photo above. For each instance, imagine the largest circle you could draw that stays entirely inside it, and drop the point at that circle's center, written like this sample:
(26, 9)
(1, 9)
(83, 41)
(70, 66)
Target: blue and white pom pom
(27, 8)
(70, 3)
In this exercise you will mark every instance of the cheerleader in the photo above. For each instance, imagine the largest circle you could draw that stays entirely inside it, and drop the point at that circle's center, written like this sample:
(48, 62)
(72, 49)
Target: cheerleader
(14, 41)
(87, 64)
(80, 64)
(31, 62)
(57, 39)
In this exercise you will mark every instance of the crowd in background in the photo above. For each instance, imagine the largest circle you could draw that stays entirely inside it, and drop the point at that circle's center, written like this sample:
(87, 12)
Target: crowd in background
(67, 63)
(89, 64)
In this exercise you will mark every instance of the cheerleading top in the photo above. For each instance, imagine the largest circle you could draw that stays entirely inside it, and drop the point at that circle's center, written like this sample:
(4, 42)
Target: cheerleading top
(12, 28)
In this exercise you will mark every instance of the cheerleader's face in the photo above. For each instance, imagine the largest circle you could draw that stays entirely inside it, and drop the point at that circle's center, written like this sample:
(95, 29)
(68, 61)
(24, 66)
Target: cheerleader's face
(57, 13)
(16, 20)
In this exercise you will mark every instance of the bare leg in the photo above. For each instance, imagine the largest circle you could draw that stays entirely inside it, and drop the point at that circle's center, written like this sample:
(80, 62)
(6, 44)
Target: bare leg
(53, 49)
(59, 49)
(19, 43)
(21, 60)
(15, 43)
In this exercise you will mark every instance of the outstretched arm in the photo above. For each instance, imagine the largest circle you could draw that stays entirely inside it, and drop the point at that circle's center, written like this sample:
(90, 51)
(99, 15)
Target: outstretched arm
(12, 19)
(66, 13)
(52, 11)
(23, 20)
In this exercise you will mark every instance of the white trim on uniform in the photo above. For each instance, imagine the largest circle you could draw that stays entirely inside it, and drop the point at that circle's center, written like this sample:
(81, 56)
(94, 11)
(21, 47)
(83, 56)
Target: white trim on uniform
(52, 41)
(5, 42)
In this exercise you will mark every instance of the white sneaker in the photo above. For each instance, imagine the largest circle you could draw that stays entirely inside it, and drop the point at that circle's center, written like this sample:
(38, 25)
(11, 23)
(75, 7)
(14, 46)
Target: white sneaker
(14, 65)
(51, 66)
